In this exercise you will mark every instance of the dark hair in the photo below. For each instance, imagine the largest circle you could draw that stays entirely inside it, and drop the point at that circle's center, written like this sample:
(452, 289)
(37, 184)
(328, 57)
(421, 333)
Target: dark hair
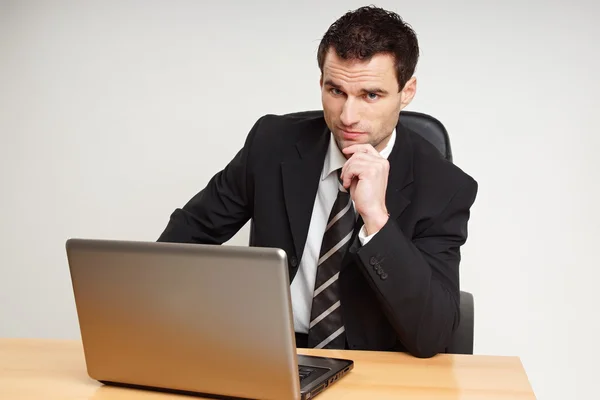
(367, 31)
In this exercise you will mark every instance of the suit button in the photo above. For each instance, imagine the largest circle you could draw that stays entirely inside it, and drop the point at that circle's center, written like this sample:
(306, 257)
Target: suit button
(294, 262)
(373, 261)
(384, 276)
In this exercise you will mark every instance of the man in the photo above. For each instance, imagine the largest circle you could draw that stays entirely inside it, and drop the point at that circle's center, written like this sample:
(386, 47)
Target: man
(371, 216)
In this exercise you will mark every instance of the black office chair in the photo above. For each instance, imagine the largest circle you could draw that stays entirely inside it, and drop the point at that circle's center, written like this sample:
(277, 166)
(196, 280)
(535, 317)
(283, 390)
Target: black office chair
(432, 130)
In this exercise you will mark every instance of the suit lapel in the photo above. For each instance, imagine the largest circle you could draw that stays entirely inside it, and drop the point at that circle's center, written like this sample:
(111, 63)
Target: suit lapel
(401, 173)
(301, 178)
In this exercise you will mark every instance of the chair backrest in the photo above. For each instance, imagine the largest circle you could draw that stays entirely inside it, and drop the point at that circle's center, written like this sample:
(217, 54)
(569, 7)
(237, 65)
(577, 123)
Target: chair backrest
(429, 128)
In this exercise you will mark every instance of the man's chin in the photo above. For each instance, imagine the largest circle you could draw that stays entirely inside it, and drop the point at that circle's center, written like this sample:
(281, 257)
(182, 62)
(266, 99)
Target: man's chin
(343, 142)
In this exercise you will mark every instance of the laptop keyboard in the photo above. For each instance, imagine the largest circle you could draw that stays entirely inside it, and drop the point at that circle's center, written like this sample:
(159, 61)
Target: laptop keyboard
(305, 372)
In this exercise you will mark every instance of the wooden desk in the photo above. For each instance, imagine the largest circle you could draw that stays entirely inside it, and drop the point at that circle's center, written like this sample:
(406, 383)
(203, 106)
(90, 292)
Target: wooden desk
(51, 369)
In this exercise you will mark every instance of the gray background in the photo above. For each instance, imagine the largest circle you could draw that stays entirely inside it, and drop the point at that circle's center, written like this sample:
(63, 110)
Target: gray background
(113, 113)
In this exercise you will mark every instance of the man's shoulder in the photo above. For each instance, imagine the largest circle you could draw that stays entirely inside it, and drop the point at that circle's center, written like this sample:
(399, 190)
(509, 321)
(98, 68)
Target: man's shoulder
(300, 120)
(274, 132)
(431, 166)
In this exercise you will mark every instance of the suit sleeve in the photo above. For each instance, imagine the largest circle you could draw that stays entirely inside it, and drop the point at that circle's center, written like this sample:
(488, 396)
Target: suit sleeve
(417, 280)
(219, 210)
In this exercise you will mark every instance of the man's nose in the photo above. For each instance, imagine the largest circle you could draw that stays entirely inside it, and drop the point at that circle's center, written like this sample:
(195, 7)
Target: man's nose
(350, 115)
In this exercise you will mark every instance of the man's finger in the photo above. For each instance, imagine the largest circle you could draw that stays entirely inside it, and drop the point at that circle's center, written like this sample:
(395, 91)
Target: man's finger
(363, 158)
(350, 173)
(353, 168)
(366, 157)
(361, 148)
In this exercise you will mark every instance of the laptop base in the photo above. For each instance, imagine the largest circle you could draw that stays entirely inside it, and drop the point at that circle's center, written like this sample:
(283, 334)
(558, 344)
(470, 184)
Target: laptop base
(329, 370)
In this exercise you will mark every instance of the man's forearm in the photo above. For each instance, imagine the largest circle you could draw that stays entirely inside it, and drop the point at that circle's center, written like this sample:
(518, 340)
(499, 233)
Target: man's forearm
(184, 227)
(418, 292)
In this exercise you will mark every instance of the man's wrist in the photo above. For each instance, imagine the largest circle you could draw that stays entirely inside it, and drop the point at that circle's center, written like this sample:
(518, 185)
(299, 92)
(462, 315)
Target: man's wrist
(373, 223)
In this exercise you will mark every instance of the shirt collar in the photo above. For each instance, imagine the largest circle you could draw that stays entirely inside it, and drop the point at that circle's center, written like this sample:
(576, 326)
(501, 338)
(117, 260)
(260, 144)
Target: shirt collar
(335, 159)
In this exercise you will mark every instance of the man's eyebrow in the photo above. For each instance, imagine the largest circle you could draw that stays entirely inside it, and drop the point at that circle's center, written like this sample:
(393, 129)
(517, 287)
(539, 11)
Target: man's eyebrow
(375, 90)
(329, 82)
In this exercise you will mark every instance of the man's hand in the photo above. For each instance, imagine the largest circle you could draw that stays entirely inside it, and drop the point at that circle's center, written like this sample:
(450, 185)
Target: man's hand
(366, 174)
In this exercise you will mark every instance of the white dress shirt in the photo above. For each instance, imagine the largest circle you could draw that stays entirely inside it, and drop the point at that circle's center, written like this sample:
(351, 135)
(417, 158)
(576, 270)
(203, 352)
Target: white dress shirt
(304, 282)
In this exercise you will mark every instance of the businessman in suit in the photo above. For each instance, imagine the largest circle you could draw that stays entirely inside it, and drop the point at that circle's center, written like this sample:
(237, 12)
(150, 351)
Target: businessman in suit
(371, 216)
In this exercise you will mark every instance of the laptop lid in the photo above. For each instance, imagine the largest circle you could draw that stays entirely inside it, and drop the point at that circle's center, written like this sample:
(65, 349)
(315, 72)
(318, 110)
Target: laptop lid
(199, 318)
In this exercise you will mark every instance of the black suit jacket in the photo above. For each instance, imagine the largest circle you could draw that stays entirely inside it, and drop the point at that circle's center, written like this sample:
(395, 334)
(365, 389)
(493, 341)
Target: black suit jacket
(412, 303)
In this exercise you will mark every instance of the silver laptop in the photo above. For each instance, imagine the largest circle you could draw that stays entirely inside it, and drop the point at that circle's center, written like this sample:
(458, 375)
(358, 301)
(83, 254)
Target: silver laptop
(195, 319)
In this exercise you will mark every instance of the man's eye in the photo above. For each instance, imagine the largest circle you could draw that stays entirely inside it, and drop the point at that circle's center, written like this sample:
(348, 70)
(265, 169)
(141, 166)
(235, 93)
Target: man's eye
(335, 91)
(373, 96)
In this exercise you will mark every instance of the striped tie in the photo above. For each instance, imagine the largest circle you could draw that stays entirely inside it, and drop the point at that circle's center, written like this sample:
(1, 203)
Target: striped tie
(326, 328)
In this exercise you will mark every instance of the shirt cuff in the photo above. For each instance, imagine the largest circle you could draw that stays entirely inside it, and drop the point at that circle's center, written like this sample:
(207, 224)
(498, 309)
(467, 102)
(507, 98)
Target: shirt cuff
(362, 236)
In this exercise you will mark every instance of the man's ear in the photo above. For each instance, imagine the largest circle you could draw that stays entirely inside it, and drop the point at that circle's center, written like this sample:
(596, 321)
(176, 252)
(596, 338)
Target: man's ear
(408, 93)
(321, 81)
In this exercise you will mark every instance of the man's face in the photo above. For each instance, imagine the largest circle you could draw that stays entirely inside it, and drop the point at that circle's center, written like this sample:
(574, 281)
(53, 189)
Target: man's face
(361, 101)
